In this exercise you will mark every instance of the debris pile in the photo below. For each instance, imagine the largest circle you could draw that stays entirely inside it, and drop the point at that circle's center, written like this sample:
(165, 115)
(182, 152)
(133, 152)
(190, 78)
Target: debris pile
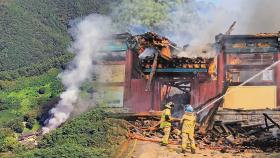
(232, 137)
(241, 136)
(156, 43)
(145, 126)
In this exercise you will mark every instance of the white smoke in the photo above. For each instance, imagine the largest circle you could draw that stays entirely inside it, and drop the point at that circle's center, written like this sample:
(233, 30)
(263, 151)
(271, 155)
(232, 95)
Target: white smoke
(197, 21)
(88, 36)
(252, 17)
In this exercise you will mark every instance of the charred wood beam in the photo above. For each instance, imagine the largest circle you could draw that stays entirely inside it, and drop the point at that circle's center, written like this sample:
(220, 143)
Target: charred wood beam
(207, 122)
(230, 29)
(185, 89)
(252, 126)
(258, 130)
(270, 119)
(177, 83)
(266, 124)
(179, 86)
(153, 71)
(226, 129)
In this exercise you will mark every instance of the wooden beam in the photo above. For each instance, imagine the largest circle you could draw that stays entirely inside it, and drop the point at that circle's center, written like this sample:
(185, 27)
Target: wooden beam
(253, 84)
(177, 70)
(270, 119)
(152, 73)
(247, 67)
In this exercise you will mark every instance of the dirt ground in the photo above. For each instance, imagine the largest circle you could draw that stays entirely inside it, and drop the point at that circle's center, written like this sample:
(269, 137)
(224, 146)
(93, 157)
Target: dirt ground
(144, 149)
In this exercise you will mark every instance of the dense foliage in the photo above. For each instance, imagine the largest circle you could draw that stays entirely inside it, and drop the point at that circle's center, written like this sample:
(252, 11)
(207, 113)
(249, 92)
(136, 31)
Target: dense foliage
(22, 99)
(8, 140)
(144, 13)
(90, 135)
(36, 69)
(35, 30)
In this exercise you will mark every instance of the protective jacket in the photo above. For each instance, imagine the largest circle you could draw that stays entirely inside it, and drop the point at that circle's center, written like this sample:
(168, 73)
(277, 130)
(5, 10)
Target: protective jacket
(188, 122)
(166, 118)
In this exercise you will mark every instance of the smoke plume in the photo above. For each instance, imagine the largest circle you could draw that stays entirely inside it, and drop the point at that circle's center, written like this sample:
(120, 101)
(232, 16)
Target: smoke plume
(196, 22)
(252, 17)
(87, 36)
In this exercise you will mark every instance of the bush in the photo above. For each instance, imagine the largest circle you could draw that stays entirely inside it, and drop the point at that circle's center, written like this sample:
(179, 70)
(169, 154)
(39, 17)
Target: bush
(8, 141)
(21, 97)
(90, 130)
(90, 135)
(29, 125)
(16, 125)
(30, 119)
(65, 150)
(42, 90)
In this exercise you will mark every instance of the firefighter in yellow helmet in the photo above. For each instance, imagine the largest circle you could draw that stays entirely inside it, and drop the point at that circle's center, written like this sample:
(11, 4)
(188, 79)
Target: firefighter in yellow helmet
(188, 122)
(166, 122)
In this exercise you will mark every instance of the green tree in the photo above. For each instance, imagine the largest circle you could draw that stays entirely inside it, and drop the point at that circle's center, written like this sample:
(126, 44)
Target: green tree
(148, 13)
(8, 140)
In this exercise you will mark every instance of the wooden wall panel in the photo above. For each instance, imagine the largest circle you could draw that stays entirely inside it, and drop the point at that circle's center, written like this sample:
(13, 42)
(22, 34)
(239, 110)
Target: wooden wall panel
(201, 92)
(140, 100)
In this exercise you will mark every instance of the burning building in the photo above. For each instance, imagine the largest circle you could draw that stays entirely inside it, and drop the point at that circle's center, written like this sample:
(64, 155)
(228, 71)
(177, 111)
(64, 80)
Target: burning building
(151, 69)
(240, 58)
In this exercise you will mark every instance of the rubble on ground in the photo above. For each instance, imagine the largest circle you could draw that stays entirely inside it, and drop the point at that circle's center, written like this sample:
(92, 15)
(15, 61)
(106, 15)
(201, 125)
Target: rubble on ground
(230, 137)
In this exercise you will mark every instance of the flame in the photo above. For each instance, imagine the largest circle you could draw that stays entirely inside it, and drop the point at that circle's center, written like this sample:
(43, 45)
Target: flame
(212, 69)
(234, 60)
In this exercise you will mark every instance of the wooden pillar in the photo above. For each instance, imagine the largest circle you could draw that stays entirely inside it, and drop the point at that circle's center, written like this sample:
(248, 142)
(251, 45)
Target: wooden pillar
(221, 72)
(128, 77)
(152, 93)
(195, 92)
(277, 80)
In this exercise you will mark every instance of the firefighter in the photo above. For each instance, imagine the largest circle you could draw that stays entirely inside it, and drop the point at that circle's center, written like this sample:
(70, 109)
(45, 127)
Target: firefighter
(188, 122)
(166, 122)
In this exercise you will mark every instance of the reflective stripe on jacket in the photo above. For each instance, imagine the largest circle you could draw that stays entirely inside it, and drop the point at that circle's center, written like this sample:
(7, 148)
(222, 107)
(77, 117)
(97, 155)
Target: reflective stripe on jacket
(165, 122)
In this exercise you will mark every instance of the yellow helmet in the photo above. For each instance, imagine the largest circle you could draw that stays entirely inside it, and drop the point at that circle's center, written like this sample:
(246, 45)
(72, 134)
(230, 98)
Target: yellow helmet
(169, 105)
